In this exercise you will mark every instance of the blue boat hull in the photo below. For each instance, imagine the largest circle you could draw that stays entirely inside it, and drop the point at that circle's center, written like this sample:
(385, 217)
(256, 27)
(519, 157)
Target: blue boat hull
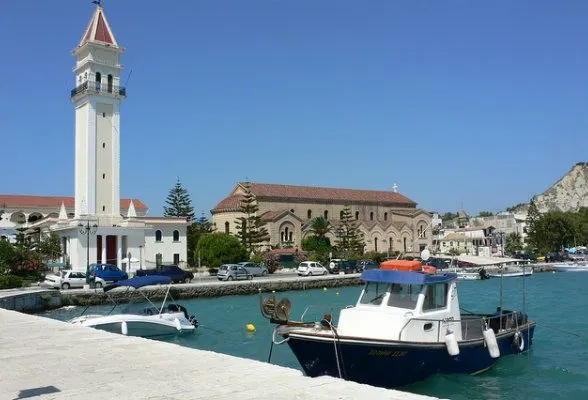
(393, 364)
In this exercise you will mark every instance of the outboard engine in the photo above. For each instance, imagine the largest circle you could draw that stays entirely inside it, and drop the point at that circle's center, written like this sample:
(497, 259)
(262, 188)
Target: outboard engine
(193, 321)
(483, 274)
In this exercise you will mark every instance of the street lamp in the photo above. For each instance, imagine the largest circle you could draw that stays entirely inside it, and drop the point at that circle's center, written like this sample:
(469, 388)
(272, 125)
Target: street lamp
(86, 229)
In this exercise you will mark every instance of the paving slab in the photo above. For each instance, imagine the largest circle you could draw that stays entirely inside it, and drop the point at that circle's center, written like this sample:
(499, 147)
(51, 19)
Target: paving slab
(50, 359)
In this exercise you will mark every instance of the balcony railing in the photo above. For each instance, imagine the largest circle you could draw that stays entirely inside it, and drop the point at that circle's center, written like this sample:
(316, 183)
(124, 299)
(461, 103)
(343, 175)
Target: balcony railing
(93, 87)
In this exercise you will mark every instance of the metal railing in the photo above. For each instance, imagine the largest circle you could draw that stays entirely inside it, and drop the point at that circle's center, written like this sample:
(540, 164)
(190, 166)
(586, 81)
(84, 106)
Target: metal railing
(94, 87)
(507, 320)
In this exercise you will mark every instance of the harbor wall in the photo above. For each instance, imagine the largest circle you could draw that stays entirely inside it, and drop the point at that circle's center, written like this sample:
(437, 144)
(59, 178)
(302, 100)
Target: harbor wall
(211, 289)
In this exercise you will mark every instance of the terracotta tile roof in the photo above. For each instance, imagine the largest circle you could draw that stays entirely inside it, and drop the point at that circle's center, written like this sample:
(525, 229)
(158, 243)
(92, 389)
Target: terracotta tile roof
(454, 236)
(25, 201)
(311, 193)
(231, 203)
(98, 29)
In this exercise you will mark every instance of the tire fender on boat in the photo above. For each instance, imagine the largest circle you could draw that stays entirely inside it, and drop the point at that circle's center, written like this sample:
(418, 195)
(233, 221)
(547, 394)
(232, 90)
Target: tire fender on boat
(491, 343)
(519, 341)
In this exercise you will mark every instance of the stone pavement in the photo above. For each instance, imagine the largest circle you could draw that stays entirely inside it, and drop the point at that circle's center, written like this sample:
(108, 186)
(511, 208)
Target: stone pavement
(40, 355)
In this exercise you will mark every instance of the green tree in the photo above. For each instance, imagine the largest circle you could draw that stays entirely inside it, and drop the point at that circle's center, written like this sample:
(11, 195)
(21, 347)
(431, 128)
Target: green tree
(554, 231)
(453, 252)
(193, 233)
(485, 214)
(320, 226)
(50, 247)
(533, 217)
(448, 216)
(251, 229)
(220, 248)
(6, 256)
(316, 243)
(514, 243)
(349, 241)
(179, 203)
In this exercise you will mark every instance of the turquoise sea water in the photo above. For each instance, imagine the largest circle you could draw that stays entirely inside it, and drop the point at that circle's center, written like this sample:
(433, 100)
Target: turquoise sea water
(555, 368)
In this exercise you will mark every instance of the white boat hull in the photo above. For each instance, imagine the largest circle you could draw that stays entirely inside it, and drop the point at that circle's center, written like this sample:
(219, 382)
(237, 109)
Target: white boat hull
(512, 274)
(571, 267)
(165, 324)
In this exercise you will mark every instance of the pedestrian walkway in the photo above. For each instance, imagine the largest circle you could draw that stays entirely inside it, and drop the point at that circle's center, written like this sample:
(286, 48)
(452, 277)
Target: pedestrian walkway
(56, 360)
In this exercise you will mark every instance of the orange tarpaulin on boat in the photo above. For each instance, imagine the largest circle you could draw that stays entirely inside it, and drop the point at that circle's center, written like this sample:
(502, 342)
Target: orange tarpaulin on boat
(401, 265)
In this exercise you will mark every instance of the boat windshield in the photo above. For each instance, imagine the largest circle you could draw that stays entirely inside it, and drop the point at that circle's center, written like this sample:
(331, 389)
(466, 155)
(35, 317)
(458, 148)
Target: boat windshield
(404, 296)
(373, 293)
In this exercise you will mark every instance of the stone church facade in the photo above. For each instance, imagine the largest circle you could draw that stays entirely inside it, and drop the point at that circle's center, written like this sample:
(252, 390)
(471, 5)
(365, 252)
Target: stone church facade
(388, 220)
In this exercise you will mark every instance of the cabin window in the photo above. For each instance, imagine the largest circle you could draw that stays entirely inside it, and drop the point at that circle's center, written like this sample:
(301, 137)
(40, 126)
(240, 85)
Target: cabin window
(373, 293)
(404, 296)
(435, 297)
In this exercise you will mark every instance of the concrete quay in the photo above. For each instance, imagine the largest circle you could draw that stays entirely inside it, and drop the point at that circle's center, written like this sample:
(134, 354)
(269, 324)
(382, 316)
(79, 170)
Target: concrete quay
(48, 359)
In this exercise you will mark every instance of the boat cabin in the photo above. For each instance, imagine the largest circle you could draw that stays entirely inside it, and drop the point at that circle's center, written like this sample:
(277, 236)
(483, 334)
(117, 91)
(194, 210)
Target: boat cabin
(397, 305)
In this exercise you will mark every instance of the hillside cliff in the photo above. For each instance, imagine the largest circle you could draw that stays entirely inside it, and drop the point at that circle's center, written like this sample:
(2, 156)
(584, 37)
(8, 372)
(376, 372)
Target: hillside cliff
(568, 194)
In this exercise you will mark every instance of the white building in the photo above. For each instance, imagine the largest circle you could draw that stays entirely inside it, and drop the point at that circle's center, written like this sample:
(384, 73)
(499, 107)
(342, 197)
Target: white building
(100, 228)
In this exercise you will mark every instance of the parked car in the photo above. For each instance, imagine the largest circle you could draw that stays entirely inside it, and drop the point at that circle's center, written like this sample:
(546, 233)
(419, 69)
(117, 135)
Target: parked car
(525, 256)
(173, 271)
(228, 272)
(333, 264)
(255, 269)
(310, 268)
(67, 279)
(107, 272)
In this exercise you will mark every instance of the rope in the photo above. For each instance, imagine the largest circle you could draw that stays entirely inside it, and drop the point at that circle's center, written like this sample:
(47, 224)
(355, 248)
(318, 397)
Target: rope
(335, 340)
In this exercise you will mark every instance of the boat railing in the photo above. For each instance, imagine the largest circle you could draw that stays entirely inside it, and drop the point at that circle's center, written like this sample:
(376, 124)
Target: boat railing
(471, 325)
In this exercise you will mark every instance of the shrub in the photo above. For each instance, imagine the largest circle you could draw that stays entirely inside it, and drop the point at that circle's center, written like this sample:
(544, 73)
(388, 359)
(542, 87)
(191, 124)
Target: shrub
(271, 261)
(220, 248)
(10, 281)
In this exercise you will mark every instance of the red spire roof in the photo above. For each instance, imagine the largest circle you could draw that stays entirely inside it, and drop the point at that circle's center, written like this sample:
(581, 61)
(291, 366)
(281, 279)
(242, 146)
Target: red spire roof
(98, 29)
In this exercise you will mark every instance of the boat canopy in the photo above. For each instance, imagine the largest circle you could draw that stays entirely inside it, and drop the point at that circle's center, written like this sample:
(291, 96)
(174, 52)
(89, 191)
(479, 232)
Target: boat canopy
(403, 277)
(139, 281)
(479, 260)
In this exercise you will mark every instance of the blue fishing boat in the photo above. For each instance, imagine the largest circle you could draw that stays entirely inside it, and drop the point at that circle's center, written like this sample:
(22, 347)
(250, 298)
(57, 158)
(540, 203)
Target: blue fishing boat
(406, 325)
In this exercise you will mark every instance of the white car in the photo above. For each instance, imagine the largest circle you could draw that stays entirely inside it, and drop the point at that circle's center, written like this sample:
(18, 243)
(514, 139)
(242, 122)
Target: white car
(310, 268)
(69, 279)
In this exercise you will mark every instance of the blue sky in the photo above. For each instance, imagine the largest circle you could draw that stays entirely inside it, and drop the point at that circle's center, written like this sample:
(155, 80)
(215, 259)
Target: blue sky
(480, 104)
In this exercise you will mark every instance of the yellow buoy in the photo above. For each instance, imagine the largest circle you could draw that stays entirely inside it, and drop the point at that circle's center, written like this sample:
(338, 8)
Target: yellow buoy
(250, 328)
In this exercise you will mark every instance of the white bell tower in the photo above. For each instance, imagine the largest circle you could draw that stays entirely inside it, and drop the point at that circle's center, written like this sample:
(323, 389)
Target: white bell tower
(96, 98)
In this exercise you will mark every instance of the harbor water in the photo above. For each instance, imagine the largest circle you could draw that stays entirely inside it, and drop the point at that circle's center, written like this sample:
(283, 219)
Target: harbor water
(555, 368)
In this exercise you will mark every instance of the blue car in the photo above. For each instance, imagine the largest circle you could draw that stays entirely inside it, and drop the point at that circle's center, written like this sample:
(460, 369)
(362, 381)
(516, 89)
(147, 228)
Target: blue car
(108, 272)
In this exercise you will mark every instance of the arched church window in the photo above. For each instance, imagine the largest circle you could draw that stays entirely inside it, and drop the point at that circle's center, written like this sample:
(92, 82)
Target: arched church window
(340, 214)
(98, 81)
(227, 227)
(356, 215)
(109, 83)
(158, 235)
(309, 214)
(176, 236)
(326, 214)
(371, 216)
(385, 216)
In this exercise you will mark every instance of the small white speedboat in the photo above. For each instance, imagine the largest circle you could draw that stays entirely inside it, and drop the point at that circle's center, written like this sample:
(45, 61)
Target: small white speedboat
(152, 321)
(572, 267)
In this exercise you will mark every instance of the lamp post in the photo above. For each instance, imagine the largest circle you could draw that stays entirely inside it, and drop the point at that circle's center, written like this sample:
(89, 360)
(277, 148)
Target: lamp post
(86, 229)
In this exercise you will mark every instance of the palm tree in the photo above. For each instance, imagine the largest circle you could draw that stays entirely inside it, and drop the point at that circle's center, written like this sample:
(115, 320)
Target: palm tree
(319, 227)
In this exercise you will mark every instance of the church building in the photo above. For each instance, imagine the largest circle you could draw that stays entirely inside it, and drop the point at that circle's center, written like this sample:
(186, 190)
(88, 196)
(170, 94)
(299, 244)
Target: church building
(389, 221)
(96, 226)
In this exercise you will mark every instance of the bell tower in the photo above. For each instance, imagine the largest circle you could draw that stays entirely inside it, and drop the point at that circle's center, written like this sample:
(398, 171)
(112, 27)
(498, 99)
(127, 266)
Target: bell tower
(96, 96)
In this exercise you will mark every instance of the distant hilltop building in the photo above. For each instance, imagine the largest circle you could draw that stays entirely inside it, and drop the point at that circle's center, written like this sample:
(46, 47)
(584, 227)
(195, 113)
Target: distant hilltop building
(388, 220)
(120, 232)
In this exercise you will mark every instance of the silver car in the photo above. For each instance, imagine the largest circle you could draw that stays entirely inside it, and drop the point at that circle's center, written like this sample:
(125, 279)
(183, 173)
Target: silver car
(255, 269)
(229, 272)
(67, 279)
